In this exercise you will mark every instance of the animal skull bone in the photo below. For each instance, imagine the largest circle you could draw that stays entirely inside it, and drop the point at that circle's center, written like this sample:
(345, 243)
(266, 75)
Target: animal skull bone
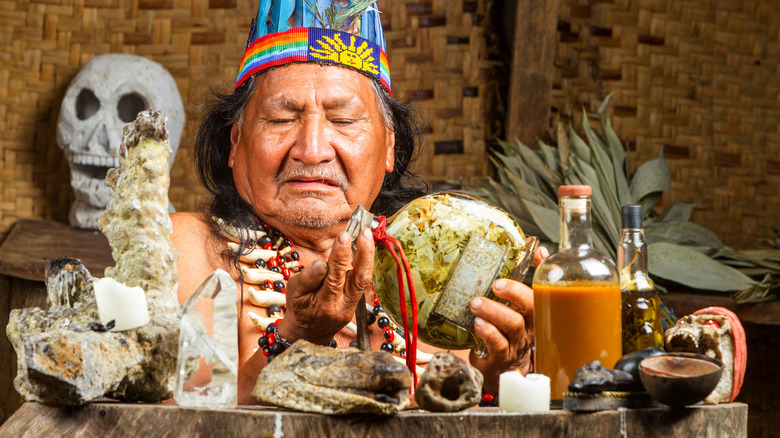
(104, 96)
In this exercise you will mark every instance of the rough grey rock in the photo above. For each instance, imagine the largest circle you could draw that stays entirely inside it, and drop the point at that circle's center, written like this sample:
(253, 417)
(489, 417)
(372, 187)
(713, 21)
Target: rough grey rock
(65, 356)
(449, 384)
(313, 378)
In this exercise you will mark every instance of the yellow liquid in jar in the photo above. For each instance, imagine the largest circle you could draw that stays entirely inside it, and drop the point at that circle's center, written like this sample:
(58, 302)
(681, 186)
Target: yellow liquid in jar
(574, 324)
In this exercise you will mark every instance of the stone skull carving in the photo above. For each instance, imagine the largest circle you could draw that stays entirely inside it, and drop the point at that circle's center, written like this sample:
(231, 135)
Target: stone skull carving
(104, 96)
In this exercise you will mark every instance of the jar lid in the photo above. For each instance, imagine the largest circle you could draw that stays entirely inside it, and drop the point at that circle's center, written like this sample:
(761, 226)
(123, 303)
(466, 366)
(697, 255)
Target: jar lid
(575, 190)
(631, 216)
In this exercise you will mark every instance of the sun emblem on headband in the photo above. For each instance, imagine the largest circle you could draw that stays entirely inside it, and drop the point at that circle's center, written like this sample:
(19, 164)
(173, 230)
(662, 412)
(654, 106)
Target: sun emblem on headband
(333, 49)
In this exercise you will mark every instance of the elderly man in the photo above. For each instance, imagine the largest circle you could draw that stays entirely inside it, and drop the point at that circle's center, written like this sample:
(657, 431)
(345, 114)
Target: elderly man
(299, 145)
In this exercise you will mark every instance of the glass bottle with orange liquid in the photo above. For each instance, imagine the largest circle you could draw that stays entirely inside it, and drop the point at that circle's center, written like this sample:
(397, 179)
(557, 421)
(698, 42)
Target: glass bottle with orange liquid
(577, 316)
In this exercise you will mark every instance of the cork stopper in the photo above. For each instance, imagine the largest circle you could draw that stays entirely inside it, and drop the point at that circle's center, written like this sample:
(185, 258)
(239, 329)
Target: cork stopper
(575, 191)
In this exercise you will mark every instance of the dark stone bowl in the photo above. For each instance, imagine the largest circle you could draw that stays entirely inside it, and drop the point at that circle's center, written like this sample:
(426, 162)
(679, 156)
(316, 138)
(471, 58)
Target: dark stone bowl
(680, 379)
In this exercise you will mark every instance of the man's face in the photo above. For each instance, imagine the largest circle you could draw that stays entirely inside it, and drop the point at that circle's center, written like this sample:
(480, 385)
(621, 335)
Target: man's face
(312, 146)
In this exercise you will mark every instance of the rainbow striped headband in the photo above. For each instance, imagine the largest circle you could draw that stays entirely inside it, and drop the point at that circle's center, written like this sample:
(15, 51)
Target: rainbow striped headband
(305, 44)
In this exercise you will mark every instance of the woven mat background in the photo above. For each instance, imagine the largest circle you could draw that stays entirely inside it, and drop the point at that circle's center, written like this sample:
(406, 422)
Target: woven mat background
(437, 51)
(698, 77)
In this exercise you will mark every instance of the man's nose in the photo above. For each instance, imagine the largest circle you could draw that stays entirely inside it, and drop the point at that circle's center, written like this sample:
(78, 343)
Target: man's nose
(313, 141)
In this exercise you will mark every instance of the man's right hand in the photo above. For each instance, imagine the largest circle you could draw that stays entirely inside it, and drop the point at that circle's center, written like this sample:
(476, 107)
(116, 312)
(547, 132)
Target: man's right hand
(322, 298)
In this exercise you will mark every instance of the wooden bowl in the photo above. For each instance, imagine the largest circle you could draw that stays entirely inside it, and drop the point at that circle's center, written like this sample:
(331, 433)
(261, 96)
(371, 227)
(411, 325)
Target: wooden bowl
(680, 379)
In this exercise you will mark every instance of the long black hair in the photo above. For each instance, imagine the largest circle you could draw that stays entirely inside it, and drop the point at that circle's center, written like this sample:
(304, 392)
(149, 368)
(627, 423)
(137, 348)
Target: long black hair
(212, 149)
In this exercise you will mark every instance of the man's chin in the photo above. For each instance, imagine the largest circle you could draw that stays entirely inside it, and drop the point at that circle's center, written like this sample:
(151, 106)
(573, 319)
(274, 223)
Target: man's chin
(313, 213)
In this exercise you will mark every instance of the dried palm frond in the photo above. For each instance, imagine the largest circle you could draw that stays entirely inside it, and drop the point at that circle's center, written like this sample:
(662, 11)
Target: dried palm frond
(679, 250)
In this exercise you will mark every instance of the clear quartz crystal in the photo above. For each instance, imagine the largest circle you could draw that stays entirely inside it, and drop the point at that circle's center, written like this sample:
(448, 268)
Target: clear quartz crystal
(207, 370)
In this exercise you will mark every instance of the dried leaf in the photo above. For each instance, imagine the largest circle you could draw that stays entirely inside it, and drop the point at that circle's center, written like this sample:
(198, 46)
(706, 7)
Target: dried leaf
(578, 145)
(652, 177)
(693, 269)
(679, 211)
(682, 233)
(563, 145)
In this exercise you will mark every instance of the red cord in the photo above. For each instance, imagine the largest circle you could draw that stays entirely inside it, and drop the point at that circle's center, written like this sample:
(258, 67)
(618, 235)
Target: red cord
(410, 336)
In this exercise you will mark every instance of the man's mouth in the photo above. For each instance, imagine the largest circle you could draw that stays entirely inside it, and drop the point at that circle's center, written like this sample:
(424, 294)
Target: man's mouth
(313, 179)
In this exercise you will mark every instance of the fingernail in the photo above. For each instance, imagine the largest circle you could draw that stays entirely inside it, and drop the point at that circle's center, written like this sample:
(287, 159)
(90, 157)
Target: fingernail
(479, 322)
(367, 234)
(500, 284)
(344, 238)
(476, 303)
(318, 267)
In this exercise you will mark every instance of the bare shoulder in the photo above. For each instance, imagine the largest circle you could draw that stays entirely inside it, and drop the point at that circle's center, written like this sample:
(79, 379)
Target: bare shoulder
(199, 254)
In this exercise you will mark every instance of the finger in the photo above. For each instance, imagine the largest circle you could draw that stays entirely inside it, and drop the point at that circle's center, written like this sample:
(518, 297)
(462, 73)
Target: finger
(338, 264)
(520, 295)
(506, 320)
(497, 344)
(540, 254)
(362, 266)
(307, 281)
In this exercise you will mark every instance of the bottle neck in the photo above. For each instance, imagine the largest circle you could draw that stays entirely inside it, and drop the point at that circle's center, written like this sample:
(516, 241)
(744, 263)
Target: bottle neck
(632, 250)
(575, 222)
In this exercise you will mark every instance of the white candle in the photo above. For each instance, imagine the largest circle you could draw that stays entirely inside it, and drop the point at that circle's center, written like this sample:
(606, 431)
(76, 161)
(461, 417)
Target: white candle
(523, 394)
(123, 304)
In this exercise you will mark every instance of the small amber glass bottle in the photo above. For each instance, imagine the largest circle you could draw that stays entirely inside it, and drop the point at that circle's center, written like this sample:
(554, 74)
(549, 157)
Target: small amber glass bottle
(642, 325)
(576, 299)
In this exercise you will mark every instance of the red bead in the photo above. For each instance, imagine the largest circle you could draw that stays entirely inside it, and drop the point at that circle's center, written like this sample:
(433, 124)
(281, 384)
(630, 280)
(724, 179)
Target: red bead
(267, 246)
(487, 398)
(389, 335)
(286, 273)
(271, 338)
(266, 351)
(712, 324)
(276, 323)
(268, 285)
(280, 260)
(272, 262)
(376, 298)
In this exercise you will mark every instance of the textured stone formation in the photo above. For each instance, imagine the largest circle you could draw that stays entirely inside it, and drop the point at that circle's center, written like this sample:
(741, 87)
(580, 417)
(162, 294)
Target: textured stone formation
(65, 356)
(105, 95)
(449, 384)
(314, 378)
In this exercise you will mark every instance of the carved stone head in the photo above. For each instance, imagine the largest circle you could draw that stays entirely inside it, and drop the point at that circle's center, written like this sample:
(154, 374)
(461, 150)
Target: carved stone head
(104, 96)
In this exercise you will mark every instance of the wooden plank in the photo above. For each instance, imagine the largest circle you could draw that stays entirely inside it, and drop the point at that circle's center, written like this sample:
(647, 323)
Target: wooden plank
(31, 243)
(15, 293)
(531, 81)
(116, 419)
(759, 313)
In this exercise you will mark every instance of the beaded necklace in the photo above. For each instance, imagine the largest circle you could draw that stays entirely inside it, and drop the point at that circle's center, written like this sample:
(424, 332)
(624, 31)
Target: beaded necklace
(267, 261)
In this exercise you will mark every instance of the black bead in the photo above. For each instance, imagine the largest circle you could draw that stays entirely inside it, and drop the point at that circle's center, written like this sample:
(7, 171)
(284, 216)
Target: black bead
(332, 343)
(353, 344)
(250, 243)
(388, 335)
(383, 322)
(286, 242)
(370, 318)
(260, 263)
(274, 269)
(277, 348)
(267, 350)
(279, 285)
(263, 240)
(270, 328)
(387, 346)
(273, 308)
(262, 341)
(377, 309)
(270, 357)
(294, 255)
(402, 352)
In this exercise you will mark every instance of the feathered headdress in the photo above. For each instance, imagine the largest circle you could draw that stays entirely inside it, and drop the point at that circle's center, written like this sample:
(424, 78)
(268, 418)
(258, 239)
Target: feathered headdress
(341, 32)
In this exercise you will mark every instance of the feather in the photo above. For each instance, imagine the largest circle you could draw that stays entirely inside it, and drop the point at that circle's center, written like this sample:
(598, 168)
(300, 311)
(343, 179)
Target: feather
(261, 28)
(281, 11)
(368, 29)
(306, 14)
(346, 15)
(322, 5)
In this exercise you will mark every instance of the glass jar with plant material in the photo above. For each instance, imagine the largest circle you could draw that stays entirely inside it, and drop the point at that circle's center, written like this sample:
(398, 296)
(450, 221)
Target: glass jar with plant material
(456, 245)
(576, 299)
(642, 325)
